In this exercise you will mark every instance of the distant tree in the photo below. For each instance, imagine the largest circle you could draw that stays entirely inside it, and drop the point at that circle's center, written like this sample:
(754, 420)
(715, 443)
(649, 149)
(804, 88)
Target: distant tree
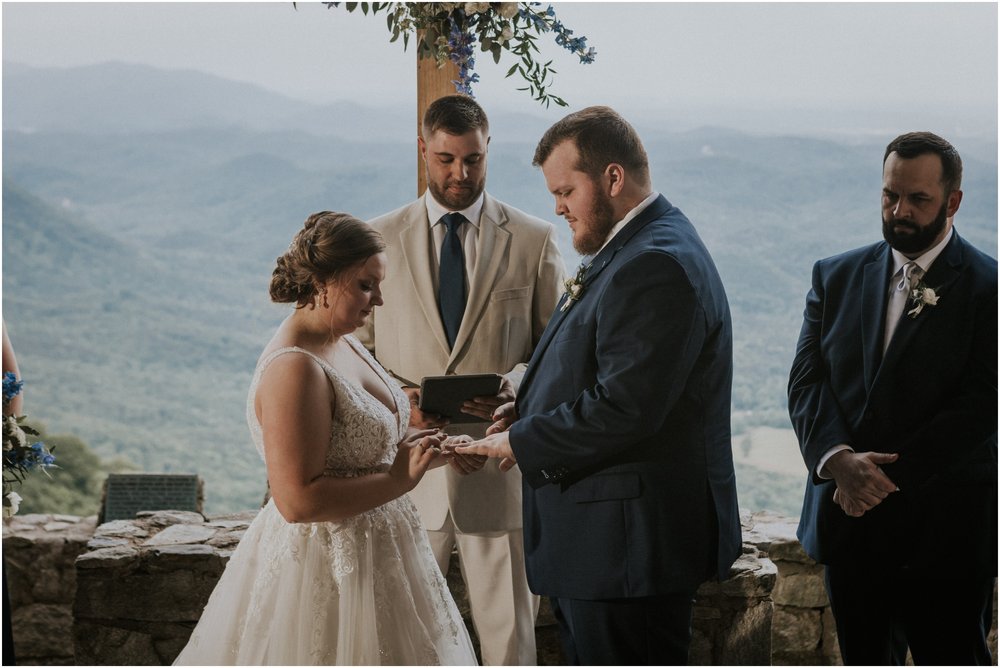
(74, 487)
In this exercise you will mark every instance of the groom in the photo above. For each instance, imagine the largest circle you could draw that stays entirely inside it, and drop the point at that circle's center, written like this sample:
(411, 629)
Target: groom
(621, 425)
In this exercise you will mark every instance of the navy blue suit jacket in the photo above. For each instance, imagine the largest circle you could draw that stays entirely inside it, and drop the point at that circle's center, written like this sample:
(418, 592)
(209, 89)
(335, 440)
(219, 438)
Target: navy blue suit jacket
(932, 399)
(624, 433)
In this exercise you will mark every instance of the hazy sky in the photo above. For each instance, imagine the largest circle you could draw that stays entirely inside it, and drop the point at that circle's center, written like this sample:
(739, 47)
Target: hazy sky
(900, 56)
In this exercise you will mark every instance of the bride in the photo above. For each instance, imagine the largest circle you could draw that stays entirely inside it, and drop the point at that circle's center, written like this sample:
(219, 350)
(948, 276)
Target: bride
(336, 568)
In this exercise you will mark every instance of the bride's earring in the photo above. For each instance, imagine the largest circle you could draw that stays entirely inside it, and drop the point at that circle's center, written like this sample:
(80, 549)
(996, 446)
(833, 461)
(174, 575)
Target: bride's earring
(321, 299)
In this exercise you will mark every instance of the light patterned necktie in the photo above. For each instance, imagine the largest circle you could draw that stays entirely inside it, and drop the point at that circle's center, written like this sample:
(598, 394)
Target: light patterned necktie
(908, 276)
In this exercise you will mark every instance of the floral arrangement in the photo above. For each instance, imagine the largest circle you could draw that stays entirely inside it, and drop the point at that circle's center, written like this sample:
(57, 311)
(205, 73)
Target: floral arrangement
(922, 296)
(19, 457)
(574, 287)
(452, 29)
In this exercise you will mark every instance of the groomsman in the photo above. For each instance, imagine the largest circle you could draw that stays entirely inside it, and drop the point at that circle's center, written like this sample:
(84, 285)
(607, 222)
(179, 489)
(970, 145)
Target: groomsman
(470, 285)
(621, 427)
(893, 396)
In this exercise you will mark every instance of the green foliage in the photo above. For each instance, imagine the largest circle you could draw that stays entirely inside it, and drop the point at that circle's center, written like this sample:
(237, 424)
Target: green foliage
(450, 29)
(73, 487)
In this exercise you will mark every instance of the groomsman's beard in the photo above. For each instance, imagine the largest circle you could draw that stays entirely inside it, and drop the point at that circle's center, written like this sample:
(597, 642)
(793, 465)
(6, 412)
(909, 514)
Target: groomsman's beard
(588, 239)
(915, 239)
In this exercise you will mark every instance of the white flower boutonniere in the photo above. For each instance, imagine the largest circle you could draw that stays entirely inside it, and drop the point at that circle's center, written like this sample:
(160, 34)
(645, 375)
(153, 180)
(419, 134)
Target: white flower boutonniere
(574, 287)
(922, 296)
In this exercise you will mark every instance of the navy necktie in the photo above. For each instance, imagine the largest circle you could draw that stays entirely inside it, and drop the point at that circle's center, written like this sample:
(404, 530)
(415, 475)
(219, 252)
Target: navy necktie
(451, 277)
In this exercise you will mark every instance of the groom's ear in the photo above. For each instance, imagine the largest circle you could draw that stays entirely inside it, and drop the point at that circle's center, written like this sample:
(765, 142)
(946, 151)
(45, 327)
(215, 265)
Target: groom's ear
(422, 147)
(614, 178)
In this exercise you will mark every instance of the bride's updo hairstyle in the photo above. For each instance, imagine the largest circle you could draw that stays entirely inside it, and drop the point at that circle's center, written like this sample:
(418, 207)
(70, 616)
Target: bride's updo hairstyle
(325, 248)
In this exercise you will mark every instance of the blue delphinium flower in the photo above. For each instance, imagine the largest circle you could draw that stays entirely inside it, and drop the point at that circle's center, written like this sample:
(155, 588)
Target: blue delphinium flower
(11, 386)
(537, 21)
(461, 43)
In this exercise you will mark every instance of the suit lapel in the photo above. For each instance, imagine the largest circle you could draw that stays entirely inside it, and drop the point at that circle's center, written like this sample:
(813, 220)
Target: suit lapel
(491, 246)
(874, 297)
(655, 210)
(415, 242)
(943, 273)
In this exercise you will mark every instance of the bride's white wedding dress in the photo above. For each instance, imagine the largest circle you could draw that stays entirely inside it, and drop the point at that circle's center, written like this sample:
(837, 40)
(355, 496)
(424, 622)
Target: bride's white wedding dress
(363, 591)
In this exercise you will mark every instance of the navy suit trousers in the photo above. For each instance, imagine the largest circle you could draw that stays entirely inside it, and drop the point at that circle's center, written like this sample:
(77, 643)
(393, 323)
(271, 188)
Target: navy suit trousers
(646, 631)
(943, 618)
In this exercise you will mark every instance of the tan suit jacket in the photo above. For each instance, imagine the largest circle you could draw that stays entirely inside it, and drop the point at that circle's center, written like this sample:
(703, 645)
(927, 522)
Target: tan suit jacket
(514, 289)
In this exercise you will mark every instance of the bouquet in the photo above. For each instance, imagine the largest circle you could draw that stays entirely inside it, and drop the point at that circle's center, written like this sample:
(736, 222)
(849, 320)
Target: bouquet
(21, 454)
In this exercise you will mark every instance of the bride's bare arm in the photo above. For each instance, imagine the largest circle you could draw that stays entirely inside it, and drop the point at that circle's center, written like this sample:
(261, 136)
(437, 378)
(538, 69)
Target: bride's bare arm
(295, 403)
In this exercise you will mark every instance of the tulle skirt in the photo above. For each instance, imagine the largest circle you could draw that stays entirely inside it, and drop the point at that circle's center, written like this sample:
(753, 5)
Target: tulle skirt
(366, 591)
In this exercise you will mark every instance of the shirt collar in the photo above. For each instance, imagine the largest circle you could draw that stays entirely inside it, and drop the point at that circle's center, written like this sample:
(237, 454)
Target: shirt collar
(628, 217)
(435, 211)
(924, 261)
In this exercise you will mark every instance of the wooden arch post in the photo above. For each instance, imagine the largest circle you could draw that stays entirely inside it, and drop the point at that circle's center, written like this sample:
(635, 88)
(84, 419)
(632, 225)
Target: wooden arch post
(432, 82)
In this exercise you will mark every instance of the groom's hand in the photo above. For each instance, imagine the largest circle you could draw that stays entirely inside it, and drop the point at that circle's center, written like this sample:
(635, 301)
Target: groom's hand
(861, 483)
(495, 446)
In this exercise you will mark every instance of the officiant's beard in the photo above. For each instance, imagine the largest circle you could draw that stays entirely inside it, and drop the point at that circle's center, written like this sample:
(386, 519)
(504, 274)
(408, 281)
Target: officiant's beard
(467, 194)
(590, 233)
(916, 239)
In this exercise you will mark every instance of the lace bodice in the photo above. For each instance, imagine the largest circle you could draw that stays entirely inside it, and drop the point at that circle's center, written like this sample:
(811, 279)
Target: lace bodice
(365, 432)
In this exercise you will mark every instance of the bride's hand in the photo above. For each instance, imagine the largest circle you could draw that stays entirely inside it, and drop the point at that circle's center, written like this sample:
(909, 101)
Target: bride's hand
(414, 454)
(463, 464)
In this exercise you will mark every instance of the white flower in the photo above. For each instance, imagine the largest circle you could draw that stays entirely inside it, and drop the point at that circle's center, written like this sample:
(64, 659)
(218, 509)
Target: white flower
(508, 10)
(922, 296)
(13, 434)
(506, 34)
(476, 7)
(574, 287)
(11, 503)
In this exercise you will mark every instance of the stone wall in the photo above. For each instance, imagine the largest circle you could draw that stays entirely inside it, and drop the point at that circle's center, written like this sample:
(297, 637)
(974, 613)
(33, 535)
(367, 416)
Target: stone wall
(731, 622)
(129, 592)
(39, 555)
(802, 629)
(144, 582)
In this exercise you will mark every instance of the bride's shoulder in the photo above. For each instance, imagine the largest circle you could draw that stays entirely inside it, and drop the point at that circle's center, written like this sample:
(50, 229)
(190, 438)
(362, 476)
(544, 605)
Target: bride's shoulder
(290, 374)
(293, 360)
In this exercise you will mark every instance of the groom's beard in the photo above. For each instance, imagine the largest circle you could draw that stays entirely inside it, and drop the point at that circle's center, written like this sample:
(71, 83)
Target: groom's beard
(915, 239)
(592, 232)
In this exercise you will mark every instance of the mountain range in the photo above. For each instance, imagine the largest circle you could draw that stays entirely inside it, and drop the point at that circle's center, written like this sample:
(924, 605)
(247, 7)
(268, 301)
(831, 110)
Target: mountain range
(143, 210)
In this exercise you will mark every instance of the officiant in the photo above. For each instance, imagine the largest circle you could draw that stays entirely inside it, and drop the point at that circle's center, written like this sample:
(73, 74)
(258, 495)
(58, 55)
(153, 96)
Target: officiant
(470, 285)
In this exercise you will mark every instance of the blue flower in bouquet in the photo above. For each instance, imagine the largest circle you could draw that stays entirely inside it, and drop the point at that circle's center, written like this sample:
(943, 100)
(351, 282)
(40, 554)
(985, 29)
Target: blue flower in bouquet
(11, 386)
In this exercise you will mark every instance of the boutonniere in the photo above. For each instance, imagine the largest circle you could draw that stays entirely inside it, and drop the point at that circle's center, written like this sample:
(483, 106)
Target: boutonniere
(574, 287)
(922, 296)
